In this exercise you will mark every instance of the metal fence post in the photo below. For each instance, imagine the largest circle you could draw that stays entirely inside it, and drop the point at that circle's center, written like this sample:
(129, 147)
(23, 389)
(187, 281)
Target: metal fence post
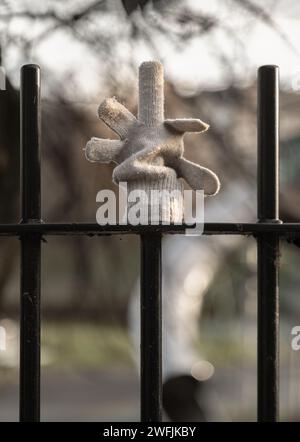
(30, 245)
(268, 243)
(151, 363)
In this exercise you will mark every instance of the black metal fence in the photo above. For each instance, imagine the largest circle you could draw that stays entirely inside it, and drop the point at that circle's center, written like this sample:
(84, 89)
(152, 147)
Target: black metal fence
(268, 231)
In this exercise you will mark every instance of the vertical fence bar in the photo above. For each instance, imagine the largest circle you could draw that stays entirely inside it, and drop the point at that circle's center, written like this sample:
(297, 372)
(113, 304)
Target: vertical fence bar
(268, 244)
(151, 364)
(30, 245)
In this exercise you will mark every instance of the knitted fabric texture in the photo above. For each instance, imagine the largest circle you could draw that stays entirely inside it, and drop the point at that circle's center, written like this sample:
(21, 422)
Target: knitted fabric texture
(149, 154)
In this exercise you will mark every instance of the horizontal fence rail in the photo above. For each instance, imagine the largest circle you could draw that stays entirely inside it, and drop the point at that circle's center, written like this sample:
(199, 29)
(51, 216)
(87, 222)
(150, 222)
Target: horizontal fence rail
(288, 230)
(267, 231)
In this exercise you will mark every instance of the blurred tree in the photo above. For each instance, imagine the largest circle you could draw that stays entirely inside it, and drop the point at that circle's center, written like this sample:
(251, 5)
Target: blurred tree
(104, 26)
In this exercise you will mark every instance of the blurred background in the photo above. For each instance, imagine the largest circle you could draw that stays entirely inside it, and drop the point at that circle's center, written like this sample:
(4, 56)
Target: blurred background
(89, 50)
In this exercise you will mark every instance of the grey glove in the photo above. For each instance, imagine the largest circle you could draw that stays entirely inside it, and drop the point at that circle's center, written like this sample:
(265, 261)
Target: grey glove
(150, 149)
